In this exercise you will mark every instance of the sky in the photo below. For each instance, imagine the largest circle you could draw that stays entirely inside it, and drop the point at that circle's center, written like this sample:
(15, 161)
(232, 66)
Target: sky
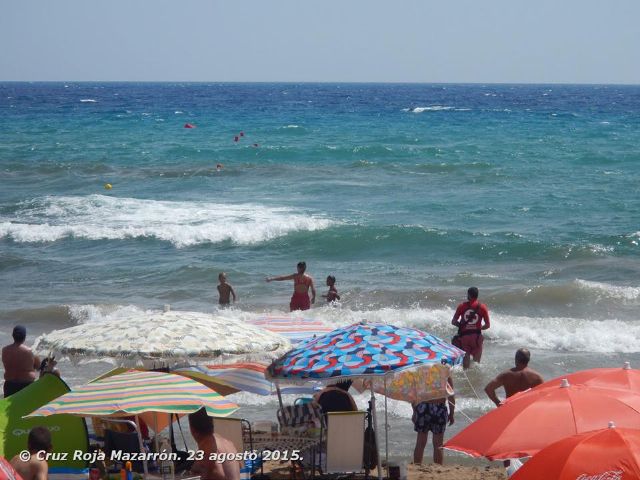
(453, 41)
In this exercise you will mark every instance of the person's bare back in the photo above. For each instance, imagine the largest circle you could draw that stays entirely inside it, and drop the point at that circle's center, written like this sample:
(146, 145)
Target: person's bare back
(213, 470)
(33, 469)
(19, 363)
(514, 380)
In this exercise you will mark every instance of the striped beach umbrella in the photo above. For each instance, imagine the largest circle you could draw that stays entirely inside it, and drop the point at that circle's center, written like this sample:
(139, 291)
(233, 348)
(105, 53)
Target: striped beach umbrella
(295, 328)
(139, 393)
(238, 377)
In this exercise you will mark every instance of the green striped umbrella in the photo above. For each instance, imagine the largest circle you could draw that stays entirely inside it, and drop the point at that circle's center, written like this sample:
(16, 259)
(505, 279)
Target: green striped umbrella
(140, 393)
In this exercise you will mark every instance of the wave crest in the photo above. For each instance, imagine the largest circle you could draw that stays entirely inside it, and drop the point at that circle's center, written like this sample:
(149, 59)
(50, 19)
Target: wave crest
(184, 223)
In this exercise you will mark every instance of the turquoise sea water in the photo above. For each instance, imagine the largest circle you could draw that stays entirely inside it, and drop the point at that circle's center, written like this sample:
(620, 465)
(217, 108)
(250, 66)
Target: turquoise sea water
(408, 194)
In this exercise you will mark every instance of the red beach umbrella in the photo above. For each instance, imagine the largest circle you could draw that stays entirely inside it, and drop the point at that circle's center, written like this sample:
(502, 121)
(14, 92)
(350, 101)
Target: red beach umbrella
(606, 454)
(7, 472)
(534, 419)
(625, 378)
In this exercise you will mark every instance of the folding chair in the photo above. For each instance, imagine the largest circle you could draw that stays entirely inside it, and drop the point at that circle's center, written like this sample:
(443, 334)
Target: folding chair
(345, 442)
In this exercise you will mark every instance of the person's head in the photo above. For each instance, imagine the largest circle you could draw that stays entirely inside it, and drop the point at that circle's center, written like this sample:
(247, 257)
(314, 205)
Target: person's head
(522, 357)
(19, 334)
(331, 281)
(344, 385)
(472, 293)
(302, 266)
(222, 277)
(200, 424)
(39, 439)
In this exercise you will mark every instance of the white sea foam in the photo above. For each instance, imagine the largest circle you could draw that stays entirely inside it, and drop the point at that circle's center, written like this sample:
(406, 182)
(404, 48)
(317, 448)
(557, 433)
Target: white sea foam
(610, 291)
(435, 108)
(185, 223)
(88, 100)
(546, 333)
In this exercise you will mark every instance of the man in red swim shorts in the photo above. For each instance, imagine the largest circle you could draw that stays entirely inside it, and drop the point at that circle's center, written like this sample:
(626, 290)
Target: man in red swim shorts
(471, 318)
(301, 285)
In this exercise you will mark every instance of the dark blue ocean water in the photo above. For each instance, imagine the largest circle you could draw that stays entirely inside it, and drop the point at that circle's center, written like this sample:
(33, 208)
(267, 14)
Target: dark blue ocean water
(408, 194)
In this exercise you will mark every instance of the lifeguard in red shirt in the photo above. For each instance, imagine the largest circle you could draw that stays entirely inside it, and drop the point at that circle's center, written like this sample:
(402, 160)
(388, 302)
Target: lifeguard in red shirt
(471, 318)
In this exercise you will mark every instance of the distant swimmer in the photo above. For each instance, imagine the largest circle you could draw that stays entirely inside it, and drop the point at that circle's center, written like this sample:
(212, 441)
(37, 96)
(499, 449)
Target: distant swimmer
(471, 318)
(225, 290)
(301, 285)
(219, 167)
(189, 125)
(332, 294)
(255, 145)
(242, 134)
(236, 138)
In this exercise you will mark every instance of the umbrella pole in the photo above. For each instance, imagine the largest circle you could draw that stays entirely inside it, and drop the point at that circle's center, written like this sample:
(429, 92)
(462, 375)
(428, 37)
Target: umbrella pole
(386, 427)
(284, 415)
(144, 461)
(155, 425)
(375, 430)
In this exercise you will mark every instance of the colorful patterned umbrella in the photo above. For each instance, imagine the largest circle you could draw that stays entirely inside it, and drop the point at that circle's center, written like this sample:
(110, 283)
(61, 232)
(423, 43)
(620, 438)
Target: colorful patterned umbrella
(140, 393)
(296, 329)
(363, 350)
(172, 336)
(416, 385)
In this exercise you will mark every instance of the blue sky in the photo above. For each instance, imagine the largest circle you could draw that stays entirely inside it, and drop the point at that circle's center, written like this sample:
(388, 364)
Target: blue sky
(504, 41)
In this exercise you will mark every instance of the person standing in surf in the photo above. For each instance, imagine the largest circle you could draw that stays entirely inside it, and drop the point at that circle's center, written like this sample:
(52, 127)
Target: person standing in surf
(302, 283)
(471, 318)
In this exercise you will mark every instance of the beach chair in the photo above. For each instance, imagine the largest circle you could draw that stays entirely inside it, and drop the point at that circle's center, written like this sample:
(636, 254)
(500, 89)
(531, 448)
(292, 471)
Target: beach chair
(345, 442)
(238, 432)
(119, 441)
(300, 417)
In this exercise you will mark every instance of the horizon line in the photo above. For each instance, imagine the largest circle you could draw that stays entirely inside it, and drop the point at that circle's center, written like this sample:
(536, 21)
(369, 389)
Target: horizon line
(314, 82)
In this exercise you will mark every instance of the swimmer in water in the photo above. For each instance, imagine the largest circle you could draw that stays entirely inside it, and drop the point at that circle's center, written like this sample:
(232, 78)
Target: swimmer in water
(301, 285)
(332, 294)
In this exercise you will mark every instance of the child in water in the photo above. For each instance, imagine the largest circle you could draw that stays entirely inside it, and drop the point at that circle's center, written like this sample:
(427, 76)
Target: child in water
(225, 290)
(332, 294)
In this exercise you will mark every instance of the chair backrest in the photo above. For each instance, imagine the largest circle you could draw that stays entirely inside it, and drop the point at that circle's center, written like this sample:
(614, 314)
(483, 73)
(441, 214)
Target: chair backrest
(231, 429)
(345, 442)
(126, 442)
(302, 415)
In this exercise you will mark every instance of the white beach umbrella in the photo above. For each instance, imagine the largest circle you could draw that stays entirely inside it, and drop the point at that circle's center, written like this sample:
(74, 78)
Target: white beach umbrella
(164, 337)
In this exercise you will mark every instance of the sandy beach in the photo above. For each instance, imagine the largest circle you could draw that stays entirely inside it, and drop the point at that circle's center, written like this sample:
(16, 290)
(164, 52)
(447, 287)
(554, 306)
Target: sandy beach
(419, 472)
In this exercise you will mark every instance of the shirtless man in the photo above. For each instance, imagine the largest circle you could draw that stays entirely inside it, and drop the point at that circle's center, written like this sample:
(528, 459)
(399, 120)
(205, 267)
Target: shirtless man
(301, 285)
(35, 468)
(20, 364)
(201, 426)
(514, 380)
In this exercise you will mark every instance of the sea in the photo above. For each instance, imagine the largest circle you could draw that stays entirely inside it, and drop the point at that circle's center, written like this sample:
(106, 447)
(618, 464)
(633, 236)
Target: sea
(407, 193)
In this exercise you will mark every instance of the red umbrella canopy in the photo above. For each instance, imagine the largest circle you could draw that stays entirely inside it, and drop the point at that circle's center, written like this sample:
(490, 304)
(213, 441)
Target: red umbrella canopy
(607, 454)
(534, 419)
(625, 378)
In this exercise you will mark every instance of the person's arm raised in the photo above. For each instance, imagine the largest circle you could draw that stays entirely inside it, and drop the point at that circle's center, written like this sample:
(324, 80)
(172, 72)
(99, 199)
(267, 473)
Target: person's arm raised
(280, 278)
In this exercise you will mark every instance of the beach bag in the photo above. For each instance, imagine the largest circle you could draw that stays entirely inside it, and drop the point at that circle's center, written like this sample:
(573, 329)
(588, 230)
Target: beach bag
(370, 453)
